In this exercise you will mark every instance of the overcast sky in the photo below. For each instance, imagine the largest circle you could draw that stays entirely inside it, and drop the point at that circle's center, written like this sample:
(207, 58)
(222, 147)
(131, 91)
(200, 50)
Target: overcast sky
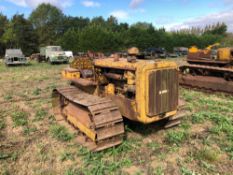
(172, 14)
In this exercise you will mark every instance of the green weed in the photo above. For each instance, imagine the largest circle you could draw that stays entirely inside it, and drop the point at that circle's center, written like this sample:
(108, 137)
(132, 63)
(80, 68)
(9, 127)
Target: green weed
(199, 117)
(188, 95)
(101, 166)
(126, 146)
(207, 166)
(158, 171)
(4, 155)
(37, 91)
(66, 156)
(228, 148)
(222, 122)
(8, 97)
(73, 171)
(207, 154)
(186, 171)
(20, 118)
(185, 124)
(60, 133)
(2, 123)
(176, 137)
(29, 130)
(51, 86)
(108, 161)
(40, 114)
(14, 156)
(219, 118)
(153, 146)
(51, 118)
(216, 105)
(42, 153)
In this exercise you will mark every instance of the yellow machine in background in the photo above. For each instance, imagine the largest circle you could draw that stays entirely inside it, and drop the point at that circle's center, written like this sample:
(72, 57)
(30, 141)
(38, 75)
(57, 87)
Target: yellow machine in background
(208, 52)
(193, 49)
(105, 90)
(210, 47)
(76, 66)
(210, 56)
(225, 54)
(209, 69)
(70, 73)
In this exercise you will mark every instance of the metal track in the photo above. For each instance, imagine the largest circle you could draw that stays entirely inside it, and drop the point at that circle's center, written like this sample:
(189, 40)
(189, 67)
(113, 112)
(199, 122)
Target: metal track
(210, 68)
(207, 61)
(207, 78)
(100, 115)
(177, 119)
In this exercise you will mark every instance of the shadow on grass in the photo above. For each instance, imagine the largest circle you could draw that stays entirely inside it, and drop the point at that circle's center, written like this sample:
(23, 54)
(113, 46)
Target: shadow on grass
(144, 129)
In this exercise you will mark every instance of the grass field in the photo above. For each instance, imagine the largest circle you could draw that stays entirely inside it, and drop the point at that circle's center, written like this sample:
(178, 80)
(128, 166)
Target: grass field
(32, 143)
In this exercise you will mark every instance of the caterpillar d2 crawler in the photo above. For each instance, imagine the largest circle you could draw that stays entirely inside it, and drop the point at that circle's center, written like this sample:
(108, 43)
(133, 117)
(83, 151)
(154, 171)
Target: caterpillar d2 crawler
(103, 91)
(209, 70)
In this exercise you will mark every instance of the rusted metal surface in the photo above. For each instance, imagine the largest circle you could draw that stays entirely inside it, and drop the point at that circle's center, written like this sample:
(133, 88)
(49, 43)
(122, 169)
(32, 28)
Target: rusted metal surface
(125, 106)
(95, 55)
(207, 78)
(199, 55)
(210, 69)
(205, 61)
(100, 115)
(206, 83)
(120, 68)
(87, 73)
(130, 88)
(69, 69)
(83, 82)
(81, 63)
(120, 64)
(114, 76)
(163, 91)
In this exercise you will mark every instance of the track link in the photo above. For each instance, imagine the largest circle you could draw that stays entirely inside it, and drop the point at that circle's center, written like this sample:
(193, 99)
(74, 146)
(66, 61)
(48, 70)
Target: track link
(97, 119)
(177, 119)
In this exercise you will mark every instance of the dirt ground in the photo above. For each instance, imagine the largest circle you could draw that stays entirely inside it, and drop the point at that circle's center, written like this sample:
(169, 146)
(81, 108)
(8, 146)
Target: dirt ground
(32, 143)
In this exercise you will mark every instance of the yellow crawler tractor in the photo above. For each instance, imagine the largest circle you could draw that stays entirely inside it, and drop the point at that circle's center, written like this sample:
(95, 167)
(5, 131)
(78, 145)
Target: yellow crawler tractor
(207, 70)
(103, 91)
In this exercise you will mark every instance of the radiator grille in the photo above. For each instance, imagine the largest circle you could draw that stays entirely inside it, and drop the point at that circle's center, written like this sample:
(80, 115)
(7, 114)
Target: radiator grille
(163, 91)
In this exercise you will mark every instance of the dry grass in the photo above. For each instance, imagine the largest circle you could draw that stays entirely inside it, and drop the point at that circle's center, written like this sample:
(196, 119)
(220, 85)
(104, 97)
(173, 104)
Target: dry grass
(32, 143)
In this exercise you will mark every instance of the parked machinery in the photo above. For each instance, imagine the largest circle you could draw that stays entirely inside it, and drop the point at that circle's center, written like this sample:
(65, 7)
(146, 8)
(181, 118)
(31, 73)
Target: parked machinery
(196, 55)
(51, 54)
(172, 55)
(155, 52)
(181, 51)
(209, 69)
(104, 90)
(15, 57)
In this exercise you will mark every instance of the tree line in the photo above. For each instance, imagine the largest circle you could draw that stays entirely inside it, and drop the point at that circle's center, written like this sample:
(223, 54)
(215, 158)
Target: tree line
(47, 25)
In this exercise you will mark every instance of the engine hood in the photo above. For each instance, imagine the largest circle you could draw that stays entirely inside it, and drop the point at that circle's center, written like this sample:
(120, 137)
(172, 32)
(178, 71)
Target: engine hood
(58, 53)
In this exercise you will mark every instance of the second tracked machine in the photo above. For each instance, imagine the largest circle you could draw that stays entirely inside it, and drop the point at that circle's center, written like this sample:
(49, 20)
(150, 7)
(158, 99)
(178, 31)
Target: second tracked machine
(209, 69)
(103, 91)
